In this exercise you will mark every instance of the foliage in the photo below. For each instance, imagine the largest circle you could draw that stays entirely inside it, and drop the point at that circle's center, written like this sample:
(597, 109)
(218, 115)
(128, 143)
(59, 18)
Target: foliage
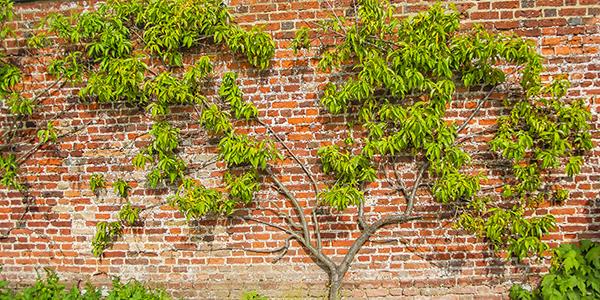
(574, 274)
(133, 289)
(231, 94)
(10, 74)
(121, 188)
(242, 188)
(301, 39)
(406, 75)
(351, 171)
(105, 53)
(51, 288)
(253, 295)
(128, 215)
(195, 200)
(399, 77)
(106, 234)
(8, 172)
(97, 183)
(241, 150)
(161, 154)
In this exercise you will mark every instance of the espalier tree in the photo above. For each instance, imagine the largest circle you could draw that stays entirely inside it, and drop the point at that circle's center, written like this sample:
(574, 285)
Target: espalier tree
(393, 81)
(106, 55)
(399, 79)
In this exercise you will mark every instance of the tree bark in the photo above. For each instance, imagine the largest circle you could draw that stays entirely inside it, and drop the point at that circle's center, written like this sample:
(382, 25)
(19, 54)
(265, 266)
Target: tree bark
(335, 283)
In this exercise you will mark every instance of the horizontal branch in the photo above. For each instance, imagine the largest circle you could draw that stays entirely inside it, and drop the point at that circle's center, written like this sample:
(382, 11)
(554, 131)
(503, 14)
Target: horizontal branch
(35, 148)
(282, 250)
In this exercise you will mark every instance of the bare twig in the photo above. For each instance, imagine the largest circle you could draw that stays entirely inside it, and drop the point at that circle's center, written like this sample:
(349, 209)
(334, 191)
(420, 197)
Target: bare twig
(37, 97)
(364, 237)
(317, 229)
(282, 250)
(286, 217)
(476, 110)
(41, 144)
(294, 157)
(290, 232)
(401, 187)
(342, 25)
(475, 134)
(310, 177)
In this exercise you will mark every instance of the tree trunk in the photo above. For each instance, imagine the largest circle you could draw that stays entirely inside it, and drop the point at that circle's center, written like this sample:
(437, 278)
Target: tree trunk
(335, 283)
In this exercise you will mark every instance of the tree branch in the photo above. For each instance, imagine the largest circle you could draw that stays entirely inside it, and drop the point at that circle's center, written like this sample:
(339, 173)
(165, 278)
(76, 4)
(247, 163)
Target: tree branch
(342, 25)
(316, 253)
(362, 223)
(413, 194)
(37, 97)
(294, 157)
(476, 110)
(39, 145)
(317, 229)
(295, 203)
(283, 249)
(290, 232)
(475, 134)
(287, 218)
(401, 187)
(366, 234)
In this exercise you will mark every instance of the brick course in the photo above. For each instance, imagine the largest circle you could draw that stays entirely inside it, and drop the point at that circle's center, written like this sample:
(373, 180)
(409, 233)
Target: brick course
(426, 259)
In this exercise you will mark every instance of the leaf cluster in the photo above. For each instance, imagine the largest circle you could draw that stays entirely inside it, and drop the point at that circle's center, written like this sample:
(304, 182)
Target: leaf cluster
(162, 155)
(405, 74)
(574, 274)
(108, 232)
(350, 171)
(51, 288)
(9, 168)
(97, 182)
(230, 92)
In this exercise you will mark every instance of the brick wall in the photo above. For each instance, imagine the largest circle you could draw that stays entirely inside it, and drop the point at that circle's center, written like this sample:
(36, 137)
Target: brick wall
(427, 259)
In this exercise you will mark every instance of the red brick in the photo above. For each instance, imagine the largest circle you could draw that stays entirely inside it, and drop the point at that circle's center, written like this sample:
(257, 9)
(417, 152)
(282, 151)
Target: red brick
(194, 258)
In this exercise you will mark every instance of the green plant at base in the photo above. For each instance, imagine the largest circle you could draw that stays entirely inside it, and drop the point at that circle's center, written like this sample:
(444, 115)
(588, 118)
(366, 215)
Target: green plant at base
(253, 295)
(51, 288)
(574, 274)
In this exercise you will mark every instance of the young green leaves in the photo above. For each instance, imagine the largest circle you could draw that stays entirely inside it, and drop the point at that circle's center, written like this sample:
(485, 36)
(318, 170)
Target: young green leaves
(241, 150)
(350, 172)
(575, 274)
(195, 201)
(97, 183)
(108, 232)
(232, 95)
(405, 75)
(167, 166)
(9, 168)
(121, 188)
